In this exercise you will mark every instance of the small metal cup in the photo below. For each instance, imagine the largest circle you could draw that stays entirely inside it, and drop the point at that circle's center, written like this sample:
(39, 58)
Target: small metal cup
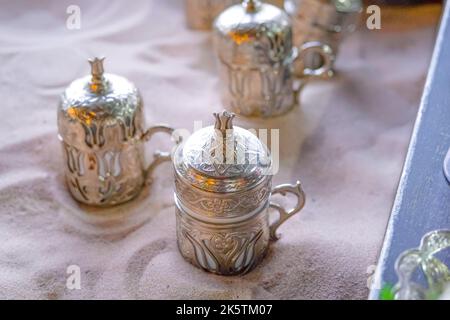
(101, 128)
(200, 14)
(223, 197)
(327, 21)
(256, 59)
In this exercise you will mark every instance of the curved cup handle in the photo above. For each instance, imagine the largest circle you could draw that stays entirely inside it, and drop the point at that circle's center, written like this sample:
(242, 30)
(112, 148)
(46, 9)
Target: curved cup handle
(159, 156)
(283, 189)
(325, 52)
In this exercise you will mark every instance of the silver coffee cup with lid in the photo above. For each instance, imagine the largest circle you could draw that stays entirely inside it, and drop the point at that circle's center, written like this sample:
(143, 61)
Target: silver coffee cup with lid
(256, 57)
(223, 197)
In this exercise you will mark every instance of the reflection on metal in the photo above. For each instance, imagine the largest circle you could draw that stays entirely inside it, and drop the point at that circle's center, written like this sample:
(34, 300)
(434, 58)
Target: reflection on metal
(255, 56)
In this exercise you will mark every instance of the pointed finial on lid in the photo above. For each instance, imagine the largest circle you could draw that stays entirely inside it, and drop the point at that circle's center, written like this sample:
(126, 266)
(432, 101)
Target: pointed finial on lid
(251, 5)
(97, 73)
(224, 121)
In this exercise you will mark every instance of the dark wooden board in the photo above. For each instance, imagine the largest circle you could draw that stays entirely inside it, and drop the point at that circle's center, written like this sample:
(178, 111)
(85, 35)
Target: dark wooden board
(422, 203)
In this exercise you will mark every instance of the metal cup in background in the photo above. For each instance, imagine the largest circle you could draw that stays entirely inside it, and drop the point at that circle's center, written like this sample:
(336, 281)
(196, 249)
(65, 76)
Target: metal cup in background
(256, 57)
(326, 21)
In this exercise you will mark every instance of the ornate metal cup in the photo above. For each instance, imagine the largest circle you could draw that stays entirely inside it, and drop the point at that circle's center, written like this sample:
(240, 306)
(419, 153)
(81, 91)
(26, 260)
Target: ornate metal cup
(222, 206)
(255, 57)
(200, 14)
(101, 127)
(327, 21)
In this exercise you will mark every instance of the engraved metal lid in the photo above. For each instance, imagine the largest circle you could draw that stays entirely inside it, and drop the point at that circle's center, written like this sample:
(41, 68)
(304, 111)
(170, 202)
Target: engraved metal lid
(253, 32)
(222, 158)
(101, 97)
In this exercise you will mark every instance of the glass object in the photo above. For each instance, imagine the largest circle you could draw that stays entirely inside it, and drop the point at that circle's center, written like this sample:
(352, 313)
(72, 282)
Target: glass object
(424, 261)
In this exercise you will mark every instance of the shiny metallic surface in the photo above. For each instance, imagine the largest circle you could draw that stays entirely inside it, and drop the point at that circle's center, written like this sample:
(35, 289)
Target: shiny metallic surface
(101, 128)
(255, 55)
(327, 21)
(223, 249)
(284, 189)
(222, 161)
(200, 14)
(222, 195)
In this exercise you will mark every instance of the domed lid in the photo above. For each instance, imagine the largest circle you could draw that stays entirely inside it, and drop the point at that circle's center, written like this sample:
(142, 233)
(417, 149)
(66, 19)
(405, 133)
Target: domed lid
(223, 157)
(254, 24)
(100, 96)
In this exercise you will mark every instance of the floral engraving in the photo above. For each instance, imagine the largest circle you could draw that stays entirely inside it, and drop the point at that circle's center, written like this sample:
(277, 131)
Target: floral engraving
(220, 206)
(227, 252)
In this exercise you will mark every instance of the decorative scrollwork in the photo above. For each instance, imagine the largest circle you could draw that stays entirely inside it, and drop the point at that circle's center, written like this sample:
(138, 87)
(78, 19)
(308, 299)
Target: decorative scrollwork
(273, 95)
(255, 65)
(219, 157)
(228, 251)
(213, 205)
